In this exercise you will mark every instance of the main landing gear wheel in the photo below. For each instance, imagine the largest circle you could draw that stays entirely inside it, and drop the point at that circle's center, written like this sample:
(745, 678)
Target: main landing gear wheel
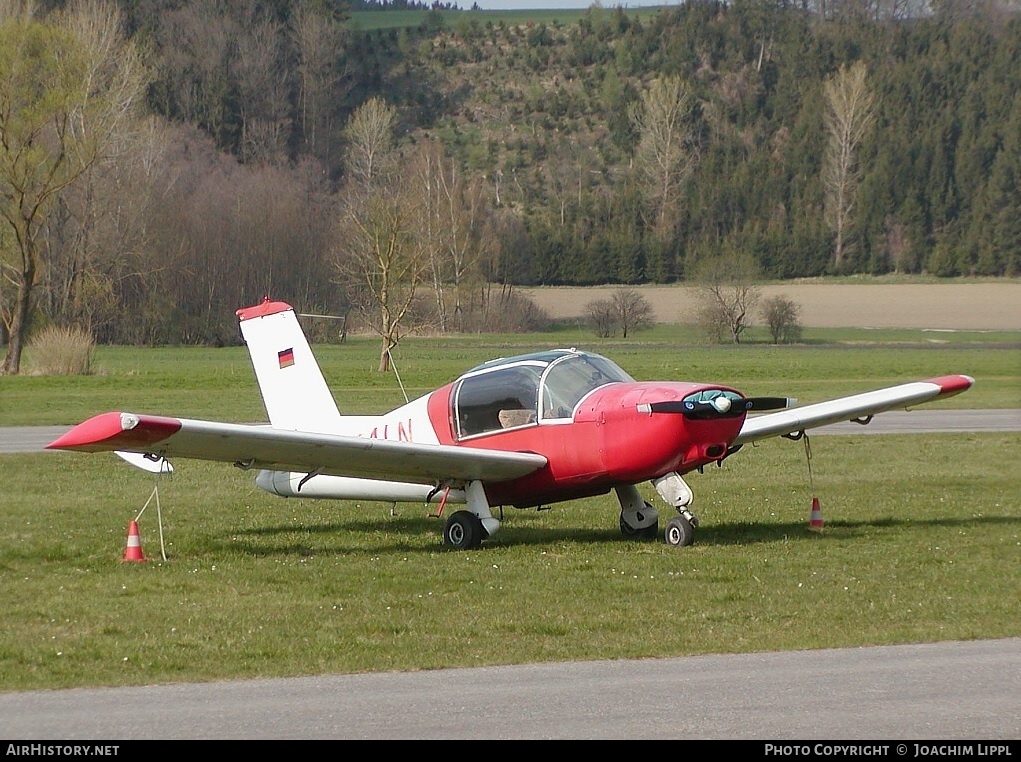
(644, 533)
(679, 532)
(463, 531)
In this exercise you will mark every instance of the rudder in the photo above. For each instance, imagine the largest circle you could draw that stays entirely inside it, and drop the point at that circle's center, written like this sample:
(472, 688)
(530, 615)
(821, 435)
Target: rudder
(293, 388)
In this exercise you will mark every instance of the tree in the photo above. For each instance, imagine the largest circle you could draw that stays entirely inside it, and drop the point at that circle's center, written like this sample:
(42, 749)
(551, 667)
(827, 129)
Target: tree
(781, 315)
(449, 214)
(378, 254)
(317, 37)
(726, 293)
(371, 158)
(66, 89)
(626, 310)
(667, 148)
(601, 317)
(850, 114)
(633, 311)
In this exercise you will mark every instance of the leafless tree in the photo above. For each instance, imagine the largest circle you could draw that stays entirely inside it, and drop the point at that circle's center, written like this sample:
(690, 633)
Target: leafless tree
(99, 240)
(601, 317)
(626, 310)
(376, 250)
(633, 311)
(371, 158)
(726, 293)
(450, 223)
(70, 86)
(667, 150)
(318, 40)
(781, 315)
(850, 113)
(264, 88)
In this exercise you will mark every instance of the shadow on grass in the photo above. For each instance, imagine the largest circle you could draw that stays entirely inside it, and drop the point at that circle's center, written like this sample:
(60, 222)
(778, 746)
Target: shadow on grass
(405, 534)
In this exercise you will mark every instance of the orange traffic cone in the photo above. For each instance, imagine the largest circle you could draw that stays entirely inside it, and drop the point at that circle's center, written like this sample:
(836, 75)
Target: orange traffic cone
(815, 518)
(133, 551)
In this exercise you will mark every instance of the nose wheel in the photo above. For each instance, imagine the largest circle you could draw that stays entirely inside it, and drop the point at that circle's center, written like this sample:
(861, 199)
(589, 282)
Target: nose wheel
(680, 530)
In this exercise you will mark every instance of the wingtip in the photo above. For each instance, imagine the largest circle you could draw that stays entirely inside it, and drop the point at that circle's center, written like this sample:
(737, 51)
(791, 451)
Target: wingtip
(112, 431)
(949, 385)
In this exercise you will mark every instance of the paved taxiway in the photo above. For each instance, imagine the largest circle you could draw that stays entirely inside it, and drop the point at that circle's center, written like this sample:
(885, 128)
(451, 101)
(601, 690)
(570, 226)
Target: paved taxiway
(939, 691)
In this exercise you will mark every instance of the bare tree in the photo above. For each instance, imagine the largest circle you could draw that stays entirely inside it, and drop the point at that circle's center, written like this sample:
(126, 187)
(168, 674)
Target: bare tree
(318, 39)
(633, 311)
(626, 310)
(781, 315)
(726, 293)
(849, 116)
(450, 225)
(99, 240)
(377, 252)
(371, 157)
(668, 149)
(264, 88)
(68, 88)
(601, 317)
(380, 258)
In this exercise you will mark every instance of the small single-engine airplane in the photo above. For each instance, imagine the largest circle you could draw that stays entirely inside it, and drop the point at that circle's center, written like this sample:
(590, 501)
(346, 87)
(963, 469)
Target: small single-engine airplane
(523, 431)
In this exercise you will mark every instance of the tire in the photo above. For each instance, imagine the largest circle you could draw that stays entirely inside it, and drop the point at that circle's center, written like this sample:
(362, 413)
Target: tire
(463, 531)
(646, 533)
(679, 532)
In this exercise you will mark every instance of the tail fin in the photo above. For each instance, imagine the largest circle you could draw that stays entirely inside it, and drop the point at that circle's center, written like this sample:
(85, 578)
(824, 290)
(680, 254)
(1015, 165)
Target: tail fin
(293, 388)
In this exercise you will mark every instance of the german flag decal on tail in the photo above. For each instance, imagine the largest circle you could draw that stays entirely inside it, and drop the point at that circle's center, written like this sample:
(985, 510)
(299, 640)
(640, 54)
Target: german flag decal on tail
(286, 357)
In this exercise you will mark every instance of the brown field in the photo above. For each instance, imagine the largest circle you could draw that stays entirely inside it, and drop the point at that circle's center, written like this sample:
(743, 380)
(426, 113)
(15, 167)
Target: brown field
(945, 306)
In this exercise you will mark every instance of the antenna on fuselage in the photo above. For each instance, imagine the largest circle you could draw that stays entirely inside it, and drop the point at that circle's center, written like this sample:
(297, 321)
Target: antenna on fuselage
(393, 365)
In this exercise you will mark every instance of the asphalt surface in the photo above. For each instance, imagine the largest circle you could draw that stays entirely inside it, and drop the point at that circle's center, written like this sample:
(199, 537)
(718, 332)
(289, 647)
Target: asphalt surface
(912, 693)
(943, 691)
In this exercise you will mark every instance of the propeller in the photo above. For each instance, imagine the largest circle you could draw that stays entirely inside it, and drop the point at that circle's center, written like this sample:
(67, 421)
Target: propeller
(719, 407)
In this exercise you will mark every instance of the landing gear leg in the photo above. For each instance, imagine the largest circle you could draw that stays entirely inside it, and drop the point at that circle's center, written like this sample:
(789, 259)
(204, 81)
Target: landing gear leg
(638, 519)
(680, 530)
(465, 530)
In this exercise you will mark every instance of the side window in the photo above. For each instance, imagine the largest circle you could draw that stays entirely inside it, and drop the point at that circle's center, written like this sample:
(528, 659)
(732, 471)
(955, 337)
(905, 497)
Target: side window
(500, 399)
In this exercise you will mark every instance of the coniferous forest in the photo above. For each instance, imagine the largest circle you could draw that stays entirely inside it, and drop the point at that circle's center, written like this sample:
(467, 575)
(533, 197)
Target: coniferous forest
(599, 146)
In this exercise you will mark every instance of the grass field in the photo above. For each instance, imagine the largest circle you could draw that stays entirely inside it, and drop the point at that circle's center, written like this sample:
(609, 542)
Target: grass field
(922, 539)
(203, 382)
(367, 21)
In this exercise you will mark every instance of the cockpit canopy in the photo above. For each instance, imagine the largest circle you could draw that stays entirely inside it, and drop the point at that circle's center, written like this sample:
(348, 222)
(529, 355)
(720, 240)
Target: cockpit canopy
(544, 387)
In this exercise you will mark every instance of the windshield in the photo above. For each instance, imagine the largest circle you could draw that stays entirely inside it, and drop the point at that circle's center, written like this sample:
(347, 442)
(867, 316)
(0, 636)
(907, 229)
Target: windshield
(525, 390)
(570, 378)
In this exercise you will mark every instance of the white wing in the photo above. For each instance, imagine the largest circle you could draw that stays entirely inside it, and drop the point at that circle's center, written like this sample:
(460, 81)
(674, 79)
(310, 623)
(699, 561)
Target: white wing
(855, 407)
(283, 450)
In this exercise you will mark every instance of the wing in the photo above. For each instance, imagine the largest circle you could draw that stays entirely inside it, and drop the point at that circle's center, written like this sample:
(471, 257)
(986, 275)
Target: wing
(856, 407)
(282, 450)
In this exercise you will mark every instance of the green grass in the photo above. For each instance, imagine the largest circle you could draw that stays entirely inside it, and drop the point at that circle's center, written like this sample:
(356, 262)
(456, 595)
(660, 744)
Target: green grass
(367, 21)
(922, 543)
(200, 382)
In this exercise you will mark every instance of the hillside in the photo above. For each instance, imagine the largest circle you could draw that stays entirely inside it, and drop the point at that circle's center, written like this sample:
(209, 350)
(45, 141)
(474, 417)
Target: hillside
(583, 148)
